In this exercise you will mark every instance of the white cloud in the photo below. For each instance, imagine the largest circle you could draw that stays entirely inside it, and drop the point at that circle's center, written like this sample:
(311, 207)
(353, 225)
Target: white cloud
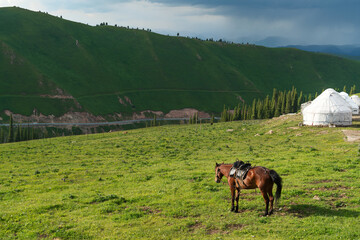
(301, 22)
(192, 20)
(34, 5)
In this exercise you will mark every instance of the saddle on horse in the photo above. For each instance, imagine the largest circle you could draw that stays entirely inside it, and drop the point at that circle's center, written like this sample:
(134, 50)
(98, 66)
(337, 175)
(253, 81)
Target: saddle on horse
(239, 170)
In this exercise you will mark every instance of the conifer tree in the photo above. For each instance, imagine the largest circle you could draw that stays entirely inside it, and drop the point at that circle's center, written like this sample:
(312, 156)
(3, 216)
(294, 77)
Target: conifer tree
(244, 113)
(17, 136)
(272, 108)
(277, 112)
(233, 115)
(153, 122)
(300, 99)
(195, 118)
(11, 130)
(29, 133)
(223, 117)
(24, 134)
(237, 113)
(253, 110)
(267, 108)
(283, 102)
(1, 135)
(275, 94)
(294, 100)
(288, 103)
(352, 90)
(259, 109)
(304, 98)
(249, 113)
(212, 119)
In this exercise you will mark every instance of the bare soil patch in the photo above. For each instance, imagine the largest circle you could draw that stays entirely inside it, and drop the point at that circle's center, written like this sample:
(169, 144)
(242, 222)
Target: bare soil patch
(195, 226)
(149, 210)
(70, 117)
(234, 226)
(186, 113)
(352, 135)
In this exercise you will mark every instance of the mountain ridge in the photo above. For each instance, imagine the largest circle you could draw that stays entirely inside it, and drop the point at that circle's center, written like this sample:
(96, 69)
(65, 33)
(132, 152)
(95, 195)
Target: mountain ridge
(94, 68)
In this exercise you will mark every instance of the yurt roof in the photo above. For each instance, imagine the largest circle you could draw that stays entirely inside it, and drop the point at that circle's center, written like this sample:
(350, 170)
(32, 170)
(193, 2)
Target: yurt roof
(328, 101)
(356, 99)
(349, 100)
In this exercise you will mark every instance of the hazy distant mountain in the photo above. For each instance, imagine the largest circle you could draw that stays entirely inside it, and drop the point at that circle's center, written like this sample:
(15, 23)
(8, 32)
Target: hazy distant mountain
(348, 51)
(273, 41)
(351, 51)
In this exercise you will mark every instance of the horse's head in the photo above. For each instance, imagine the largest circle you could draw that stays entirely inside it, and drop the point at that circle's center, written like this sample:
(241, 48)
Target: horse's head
(218, 173)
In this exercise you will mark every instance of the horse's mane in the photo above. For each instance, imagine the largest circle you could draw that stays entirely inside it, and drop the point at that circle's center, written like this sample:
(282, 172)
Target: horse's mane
(219, 164)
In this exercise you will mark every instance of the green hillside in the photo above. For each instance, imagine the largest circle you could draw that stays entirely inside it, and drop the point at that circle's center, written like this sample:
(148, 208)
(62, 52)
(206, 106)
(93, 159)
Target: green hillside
(95, 68)
(158, 183)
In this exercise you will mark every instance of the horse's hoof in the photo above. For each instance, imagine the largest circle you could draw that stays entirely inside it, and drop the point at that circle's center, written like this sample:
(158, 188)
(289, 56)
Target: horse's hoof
(232, 209)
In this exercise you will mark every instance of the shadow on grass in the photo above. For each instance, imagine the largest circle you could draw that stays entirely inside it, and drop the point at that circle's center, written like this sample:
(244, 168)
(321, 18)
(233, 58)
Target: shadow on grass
(306, 210)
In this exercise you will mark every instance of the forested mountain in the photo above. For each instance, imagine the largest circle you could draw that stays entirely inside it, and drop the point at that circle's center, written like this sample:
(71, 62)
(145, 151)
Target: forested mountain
(53, 66)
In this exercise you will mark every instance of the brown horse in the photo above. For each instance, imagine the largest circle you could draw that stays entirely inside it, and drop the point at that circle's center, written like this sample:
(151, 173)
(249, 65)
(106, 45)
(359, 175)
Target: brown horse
(257, 177)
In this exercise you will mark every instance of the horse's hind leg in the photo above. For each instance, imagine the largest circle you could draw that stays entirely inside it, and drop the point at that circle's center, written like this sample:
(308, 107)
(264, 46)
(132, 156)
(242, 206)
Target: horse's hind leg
(266, 199)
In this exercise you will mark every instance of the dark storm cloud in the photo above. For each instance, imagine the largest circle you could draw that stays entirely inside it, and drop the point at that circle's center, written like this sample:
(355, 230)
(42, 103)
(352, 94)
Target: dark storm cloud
(301, 21)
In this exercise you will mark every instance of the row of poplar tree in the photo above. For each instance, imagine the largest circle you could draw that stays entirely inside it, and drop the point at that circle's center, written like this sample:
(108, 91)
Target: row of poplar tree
(281, 102)
(20, 132)
(16, 133)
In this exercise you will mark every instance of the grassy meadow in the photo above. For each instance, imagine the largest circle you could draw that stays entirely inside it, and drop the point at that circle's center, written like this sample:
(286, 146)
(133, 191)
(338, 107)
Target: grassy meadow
(158, 183)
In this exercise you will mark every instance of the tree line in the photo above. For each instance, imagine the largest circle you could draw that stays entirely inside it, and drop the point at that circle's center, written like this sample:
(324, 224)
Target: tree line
(281, 102)
(18, 132)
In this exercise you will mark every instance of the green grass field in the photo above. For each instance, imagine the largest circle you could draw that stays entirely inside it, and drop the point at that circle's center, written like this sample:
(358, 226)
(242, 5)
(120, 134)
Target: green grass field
(158, 183)
(43, 55)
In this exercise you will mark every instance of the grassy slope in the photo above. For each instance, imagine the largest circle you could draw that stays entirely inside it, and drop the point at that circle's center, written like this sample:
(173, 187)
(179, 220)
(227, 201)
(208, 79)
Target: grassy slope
(158, 183)
(156, 72)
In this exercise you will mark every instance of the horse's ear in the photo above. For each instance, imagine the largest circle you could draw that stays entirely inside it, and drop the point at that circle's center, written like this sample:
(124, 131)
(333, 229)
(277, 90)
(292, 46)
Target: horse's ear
(216, 164)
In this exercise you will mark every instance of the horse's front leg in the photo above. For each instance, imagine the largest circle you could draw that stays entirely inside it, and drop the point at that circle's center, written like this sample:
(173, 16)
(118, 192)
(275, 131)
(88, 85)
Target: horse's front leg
(237, 199)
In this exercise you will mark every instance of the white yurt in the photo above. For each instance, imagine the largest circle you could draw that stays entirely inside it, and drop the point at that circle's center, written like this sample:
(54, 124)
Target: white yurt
(354, 106)
(328, 108)
(356, 99)
(304, 105)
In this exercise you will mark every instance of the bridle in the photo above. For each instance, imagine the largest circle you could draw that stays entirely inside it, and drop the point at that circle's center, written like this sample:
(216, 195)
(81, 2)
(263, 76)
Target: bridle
(218, 174)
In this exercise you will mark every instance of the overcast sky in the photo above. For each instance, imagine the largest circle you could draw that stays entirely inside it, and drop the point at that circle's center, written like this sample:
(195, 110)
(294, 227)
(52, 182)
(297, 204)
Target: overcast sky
(280, 21)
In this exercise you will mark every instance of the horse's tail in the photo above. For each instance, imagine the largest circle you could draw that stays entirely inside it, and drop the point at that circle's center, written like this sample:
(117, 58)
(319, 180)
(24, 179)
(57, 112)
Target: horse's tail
(278, 181)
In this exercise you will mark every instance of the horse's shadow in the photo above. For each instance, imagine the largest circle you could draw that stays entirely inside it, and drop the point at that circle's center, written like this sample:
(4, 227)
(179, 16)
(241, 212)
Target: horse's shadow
(306, 210)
